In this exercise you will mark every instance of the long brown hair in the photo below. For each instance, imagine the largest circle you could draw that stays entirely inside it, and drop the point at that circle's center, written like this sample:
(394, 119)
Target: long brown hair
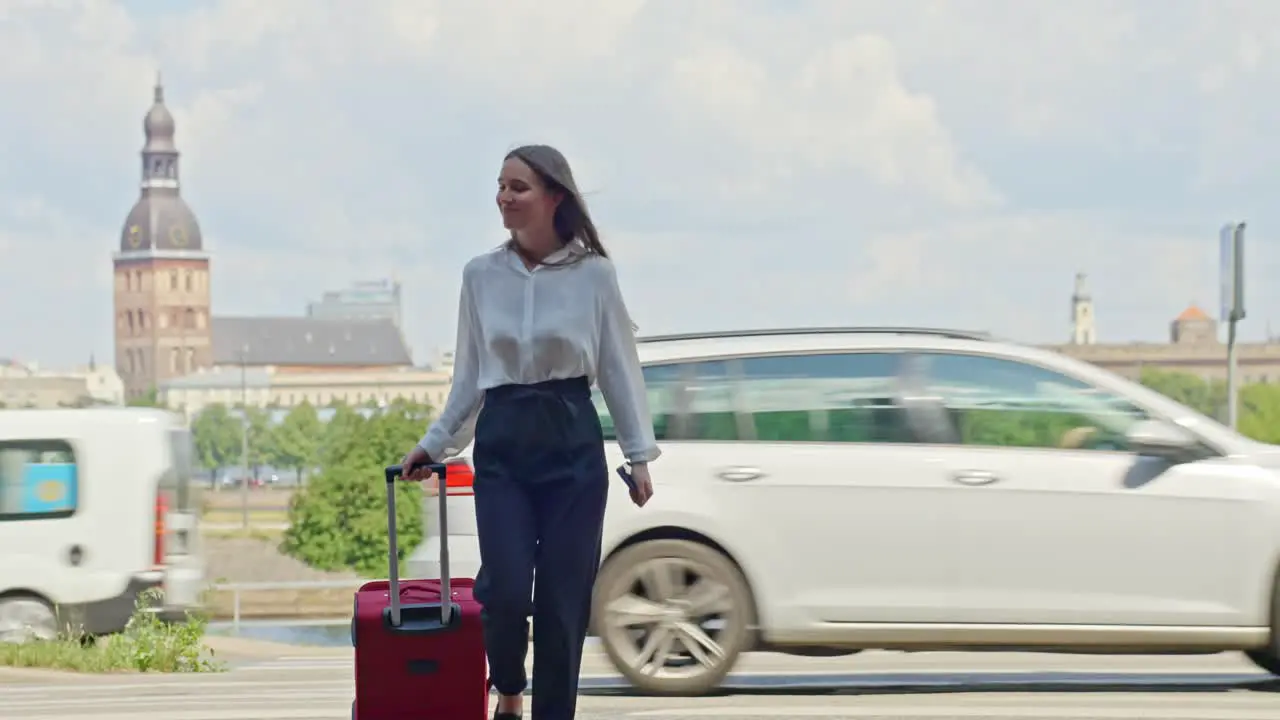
(571, 220)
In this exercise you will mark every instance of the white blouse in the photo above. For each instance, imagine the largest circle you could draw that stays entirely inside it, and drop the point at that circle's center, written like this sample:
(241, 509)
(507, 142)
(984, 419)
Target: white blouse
(522, 326)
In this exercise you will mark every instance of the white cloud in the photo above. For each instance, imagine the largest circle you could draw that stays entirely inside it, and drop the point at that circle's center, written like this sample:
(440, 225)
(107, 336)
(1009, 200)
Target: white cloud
(838, 161)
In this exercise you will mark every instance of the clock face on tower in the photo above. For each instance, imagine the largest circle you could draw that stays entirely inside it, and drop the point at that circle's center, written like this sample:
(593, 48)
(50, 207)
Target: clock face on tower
(178, 235)
(135, 236)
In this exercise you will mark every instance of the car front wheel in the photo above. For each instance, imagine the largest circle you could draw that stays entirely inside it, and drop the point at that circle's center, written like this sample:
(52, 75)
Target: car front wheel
(1268, 658)
(673, 616)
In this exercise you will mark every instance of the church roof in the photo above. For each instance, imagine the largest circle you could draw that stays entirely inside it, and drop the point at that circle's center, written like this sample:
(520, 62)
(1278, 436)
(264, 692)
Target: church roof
(160, 220)
(307, 341)
(1192, 313)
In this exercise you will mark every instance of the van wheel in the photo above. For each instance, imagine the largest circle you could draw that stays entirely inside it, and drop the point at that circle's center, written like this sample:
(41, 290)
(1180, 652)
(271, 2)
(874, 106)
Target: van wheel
(24, 617)
(673, 616)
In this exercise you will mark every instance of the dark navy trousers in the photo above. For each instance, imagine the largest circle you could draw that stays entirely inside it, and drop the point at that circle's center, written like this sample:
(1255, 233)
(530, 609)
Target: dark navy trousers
(541, 482)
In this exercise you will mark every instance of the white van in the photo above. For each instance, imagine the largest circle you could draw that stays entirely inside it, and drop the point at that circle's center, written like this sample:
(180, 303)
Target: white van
(97, 506)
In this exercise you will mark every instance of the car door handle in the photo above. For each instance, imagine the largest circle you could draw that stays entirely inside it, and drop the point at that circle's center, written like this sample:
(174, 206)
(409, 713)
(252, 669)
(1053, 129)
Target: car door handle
(975, 477)
(740, 474)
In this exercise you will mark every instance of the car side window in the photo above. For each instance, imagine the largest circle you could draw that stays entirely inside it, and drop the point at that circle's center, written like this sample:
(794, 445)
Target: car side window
(662, 383)
(1007, 403)
(845, 397)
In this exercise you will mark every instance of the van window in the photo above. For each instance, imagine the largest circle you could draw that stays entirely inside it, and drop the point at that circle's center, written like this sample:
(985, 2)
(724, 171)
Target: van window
(38, 480)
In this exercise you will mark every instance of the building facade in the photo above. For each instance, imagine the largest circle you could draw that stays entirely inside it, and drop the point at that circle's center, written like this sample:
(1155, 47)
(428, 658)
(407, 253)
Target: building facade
(29, 386)
(272, 387)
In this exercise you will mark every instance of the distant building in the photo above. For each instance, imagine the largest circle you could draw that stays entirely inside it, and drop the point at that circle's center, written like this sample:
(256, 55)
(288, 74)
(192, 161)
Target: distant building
(1083, 329)
(1194, 347)
(373, 300)
(271, 387)
(307, 344)
(28, 386)
(165, 329)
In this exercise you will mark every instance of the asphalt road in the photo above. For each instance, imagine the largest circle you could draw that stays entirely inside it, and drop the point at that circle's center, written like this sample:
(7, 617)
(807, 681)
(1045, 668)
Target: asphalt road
(872, 686)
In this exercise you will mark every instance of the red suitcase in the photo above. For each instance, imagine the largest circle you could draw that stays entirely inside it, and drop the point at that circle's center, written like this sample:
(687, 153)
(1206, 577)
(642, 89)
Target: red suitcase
(417, 658)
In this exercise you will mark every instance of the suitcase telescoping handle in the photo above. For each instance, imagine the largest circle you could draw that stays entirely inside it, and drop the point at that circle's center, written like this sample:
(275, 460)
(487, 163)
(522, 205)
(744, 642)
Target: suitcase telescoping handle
(446, 593)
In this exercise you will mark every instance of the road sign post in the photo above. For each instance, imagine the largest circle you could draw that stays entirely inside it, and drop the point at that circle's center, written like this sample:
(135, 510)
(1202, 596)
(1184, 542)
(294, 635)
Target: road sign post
(1231, 253)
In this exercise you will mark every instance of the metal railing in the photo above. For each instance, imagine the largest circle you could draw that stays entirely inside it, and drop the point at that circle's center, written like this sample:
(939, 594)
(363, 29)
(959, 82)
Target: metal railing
(239, 588)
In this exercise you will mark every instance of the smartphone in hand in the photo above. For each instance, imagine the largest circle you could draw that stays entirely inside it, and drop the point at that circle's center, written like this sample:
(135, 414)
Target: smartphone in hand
(625, 474)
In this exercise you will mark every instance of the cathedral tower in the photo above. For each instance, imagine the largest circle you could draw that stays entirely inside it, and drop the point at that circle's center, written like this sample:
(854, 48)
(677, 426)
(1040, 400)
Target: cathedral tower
(161, 271)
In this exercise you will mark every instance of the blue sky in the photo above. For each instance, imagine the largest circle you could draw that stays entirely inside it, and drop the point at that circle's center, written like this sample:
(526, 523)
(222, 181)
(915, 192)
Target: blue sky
(751, 162)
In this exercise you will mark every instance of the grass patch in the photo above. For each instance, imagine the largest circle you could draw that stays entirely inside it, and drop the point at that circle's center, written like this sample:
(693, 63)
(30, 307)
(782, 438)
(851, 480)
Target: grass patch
(256, 517)
(147, 644)
(249, 533)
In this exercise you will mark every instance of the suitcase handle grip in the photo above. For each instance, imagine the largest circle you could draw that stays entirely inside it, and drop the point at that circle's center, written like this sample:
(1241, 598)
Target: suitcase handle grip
(393, 472)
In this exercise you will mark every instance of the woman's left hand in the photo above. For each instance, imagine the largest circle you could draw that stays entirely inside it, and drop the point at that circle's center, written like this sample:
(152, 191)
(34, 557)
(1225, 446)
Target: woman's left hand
(643, 489)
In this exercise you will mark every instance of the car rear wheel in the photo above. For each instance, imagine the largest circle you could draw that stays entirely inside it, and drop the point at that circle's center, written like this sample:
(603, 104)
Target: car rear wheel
(673, 616)
(23, 618)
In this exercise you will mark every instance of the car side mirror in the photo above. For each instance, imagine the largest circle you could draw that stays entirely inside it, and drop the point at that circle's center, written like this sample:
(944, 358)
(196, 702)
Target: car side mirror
(1159, 438)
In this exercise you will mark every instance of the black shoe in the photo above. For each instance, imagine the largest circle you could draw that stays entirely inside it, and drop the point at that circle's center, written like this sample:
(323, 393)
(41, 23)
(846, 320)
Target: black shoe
(505, 716)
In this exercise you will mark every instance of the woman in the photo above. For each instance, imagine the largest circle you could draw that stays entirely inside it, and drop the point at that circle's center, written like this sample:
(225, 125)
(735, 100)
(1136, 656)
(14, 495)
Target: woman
(541, 318)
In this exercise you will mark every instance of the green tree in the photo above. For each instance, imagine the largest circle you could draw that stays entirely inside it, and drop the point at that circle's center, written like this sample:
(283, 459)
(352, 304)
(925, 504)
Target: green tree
(342, 436)
(1259, 413)
(261, 438)
(1208, 397)
(216, 436)
(150, 399)
(339, 520)
(296, 441)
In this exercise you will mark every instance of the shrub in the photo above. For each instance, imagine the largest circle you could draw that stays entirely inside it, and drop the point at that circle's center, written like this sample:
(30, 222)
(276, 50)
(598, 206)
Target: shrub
(338, 521)
(147, 644)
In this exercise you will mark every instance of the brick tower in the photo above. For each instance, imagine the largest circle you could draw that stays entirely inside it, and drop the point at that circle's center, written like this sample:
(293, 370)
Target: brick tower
(161, 271)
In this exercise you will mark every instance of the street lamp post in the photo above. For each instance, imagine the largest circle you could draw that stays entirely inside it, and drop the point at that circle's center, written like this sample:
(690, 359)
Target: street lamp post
(244, 436)
(1231, 250)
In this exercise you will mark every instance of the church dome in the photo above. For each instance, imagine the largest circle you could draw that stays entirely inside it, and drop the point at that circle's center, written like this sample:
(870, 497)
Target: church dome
(160, 221)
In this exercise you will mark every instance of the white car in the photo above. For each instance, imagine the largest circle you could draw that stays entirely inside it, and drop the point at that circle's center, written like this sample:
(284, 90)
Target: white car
(825, 491)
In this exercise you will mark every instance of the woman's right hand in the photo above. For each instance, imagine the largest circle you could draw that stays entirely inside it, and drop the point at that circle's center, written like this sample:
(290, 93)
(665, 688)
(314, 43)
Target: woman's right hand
(416, 465)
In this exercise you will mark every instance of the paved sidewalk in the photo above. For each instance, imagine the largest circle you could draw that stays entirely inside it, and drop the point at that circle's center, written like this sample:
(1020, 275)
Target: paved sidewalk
(282, 682)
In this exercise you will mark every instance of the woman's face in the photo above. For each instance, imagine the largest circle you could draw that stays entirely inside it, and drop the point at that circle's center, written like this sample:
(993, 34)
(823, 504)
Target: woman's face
(523, 200)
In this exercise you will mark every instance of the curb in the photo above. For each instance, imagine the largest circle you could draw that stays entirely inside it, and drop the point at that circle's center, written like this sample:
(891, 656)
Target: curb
(223, 646)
